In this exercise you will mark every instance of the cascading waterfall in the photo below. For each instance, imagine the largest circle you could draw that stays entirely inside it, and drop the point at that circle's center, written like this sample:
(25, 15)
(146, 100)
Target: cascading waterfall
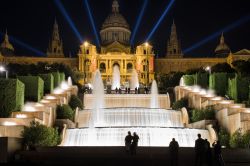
(154, 95)
(116, 77)
(140, 117)
(98, 92)
(134, 82)
(168, 100)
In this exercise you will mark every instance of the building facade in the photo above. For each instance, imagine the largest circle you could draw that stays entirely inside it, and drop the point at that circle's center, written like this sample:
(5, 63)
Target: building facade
(116, 51)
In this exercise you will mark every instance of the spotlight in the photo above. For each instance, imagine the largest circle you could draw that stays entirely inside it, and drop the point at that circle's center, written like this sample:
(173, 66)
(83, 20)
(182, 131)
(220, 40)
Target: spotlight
(160, 19)
(24, 45)
(92, 21)
(138, 21)
(68, 19)
(218, 33)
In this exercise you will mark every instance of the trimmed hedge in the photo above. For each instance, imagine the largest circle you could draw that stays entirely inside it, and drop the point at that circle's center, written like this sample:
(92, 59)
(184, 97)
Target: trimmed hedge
(75, 102)
(64, 112)
(188, 80)
(219, 83)
(57, 79)
(48, 82)
(201, 79)
(233, 88)
(11, 96)
(238, 88)
(62, 77)
(38, 135)
(243, 88)
(34, 90)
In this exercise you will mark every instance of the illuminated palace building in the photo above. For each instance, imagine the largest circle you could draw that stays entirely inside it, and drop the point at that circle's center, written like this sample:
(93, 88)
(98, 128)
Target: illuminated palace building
(116, 53)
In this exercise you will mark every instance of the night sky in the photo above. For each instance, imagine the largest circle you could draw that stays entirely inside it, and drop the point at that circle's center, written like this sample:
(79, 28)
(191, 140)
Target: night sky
(32, 21)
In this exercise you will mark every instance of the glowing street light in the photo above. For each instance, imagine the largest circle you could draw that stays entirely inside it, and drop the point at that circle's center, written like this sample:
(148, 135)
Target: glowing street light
(208, 68)
(3, 69)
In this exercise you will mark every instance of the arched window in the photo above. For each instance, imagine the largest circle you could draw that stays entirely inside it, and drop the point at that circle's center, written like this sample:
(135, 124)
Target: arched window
(87, 51)
(129, 67)
(102, 68)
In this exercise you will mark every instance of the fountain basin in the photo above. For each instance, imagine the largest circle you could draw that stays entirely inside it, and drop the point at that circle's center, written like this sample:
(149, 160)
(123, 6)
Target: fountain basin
(153, 137)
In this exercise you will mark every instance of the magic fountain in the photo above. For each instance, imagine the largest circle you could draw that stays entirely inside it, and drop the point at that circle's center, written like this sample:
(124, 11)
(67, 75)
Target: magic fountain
(108, 117)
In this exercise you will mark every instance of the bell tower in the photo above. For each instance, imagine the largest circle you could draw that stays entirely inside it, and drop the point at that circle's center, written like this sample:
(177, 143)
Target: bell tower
(174, 46)
(55, 49)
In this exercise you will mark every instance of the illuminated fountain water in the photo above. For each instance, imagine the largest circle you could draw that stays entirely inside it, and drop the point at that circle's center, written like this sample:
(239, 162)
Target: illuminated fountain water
(116, 77)
(134, 82)
(156, 126)
(69, 81)
(98, 92)
(182, 83)
(154, 95)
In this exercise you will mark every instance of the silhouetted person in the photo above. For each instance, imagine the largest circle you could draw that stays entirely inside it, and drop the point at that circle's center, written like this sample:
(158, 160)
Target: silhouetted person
(136, 90)
(146, 90)
(134, 143)
(173, 152)
(128, 90)
(199, 151)
(128, 140)
(116, 90)
(208, 153)
(120, 91)
(217, 154)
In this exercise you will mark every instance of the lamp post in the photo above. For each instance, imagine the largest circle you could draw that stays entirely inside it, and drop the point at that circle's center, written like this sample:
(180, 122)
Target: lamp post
(2, 69)
(86, 44)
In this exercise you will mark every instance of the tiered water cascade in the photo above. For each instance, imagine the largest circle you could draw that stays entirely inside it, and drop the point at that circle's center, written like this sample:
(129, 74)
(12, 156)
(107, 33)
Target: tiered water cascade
(156, 126)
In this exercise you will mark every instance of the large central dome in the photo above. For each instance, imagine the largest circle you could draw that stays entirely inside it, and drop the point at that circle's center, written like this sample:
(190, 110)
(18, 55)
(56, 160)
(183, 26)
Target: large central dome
(115, 19)
(115, 32)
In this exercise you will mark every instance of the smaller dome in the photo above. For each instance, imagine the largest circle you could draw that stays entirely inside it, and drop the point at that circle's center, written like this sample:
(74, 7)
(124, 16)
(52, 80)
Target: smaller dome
(6, 44)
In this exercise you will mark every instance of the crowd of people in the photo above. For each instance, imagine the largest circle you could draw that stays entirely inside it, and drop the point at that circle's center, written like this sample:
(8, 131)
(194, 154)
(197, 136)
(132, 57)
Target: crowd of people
(203, 151)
